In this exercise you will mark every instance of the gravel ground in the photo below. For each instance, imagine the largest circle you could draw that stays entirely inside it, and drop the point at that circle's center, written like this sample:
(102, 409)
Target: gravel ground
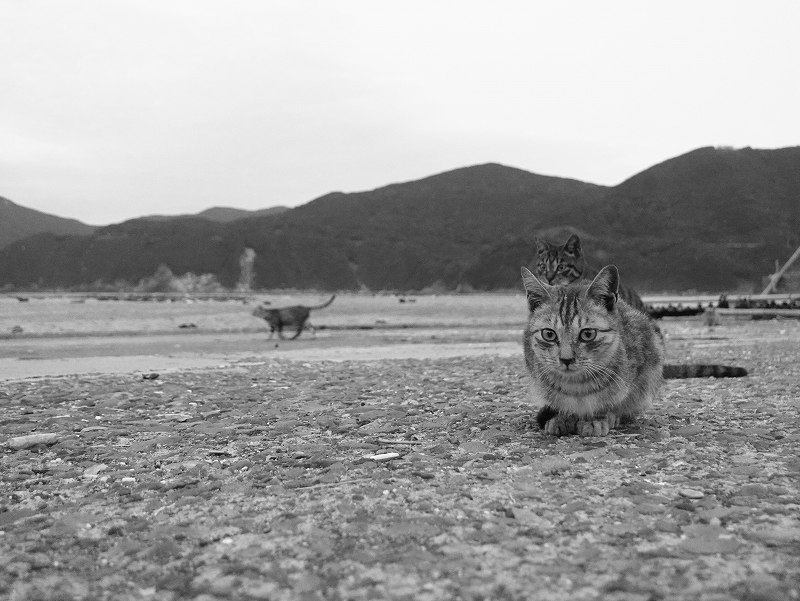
(398, 478)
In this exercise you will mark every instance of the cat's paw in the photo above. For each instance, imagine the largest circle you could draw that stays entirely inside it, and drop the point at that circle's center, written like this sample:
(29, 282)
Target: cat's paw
(598, 426)
(560, 425)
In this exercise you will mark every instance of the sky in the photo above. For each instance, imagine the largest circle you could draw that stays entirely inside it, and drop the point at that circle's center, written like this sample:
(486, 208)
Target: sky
(114, 109)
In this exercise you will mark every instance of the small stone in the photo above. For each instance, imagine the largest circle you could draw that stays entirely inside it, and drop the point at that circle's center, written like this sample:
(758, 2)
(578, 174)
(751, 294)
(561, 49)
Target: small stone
(31, 440)
(664, 525)
(382, 456)
(746, 470)
(756, 490)
(552, 465)
(708, 540)
(688, 431)
(777, 535)
(650, 508)
(93, 471)
(691, 493)
(474, 447)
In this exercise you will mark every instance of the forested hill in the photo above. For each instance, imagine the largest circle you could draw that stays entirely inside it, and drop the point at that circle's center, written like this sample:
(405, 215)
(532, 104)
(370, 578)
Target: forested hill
(18, 222)
(709, 220)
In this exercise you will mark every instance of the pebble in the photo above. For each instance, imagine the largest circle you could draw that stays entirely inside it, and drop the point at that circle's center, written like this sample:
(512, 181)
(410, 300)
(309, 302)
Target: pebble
(691, 493)
(94, 470)
(688, 431)
(663, 525)
(382, 456)
(31, 440)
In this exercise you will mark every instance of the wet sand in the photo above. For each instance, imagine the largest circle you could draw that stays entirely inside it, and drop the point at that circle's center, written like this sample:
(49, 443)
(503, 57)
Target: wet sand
(64, 356)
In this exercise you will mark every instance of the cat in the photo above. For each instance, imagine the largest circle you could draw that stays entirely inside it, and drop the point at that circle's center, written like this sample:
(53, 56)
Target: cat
(566, 264)
(294, 316)
(594, 361)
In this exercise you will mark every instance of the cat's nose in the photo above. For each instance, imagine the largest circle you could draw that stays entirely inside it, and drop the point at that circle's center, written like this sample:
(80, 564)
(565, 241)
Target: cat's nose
(567, 361)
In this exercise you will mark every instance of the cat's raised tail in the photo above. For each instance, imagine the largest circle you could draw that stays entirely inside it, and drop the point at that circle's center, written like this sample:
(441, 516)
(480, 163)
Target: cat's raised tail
(675, 372)
(323, 305)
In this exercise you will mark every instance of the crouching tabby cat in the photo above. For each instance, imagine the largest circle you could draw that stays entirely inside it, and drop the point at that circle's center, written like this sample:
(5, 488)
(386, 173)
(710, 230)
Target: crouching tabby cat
(295, 316)
(593, 360)
(566, 264)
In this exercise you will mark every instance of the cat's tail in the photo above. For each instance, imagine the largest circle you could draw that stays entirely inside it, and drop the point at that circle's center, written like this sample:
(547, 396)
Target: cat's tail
(690, 370)
(323, 305)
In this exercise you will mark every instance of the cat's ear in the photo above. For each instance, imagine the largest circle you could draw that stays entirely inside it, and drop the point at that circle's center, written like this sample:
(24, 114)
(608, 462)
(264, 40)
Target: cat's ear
(605, 287)
(536, 291)
(541, 245)
(573, 245)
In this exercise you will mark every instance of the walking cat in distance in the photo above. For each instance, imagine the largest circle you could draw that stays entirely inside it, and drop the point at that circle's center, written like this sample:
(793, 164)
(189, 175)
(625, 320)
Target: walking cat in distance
(295, 316)
(594, 361)
(566, 264)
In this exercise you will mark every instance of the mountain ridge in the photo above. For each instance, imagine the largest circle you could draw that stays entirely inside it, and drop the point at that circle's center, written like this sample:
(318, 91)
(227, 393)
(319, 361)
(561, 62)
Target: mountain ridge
(18, 222)
(222, 214)
(710, 219)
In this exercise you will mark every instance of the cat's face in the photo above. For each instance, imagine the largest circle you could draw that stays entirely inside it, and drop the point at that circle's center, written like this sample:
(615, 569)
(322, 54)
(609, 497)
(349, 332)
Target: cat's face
(559, 265)
(572, 332)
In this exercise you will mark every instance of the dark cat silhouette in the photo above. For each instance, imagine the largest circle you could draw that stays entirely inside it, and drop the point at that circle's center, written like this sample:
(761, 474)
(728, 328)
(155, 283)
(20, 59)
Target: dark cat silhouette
(295, 316)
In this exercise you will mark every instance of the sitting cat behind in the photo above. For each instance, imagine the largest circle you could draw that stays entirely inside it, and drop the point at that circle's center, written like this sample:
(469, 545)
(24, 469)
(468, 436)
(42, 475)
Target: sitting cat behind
(594, 361)
(295, 316)
(565, 264)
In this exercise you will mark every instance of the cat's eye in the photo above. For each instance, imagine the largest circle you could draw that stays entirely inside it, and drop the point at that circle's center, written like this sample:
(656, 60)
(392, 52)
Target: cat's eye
(548, 335)
(587, 334)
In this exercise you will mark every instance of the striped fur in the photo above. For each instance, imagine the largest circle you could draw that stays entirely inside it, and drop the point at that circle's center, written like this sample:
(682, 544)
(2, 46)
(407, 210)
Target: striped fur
(675, 372)
(566, 264)
(594, 361)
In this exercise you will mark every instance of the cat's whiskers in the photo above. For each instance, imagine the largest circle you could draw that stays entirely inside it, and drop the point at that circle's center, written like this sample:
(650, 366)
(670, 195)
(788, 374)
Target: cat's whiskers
(613, 377)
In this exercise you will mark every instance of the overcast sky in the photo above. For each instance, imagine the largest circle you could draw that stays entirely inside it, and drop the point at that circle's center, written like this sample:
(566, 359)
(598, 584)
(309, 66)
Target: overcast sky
(112, 109)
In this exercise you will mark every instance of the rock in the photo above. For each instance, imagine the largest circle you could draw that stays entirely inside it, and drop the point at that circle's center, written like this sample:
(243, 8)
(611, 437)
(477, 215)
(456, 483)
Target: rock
(474, 447)
(424, 475)
(93, 471)
(552, 465)
(687, 431)
(529, 518)
(31, 440)
(665, 525)
(691, 493)
(708, 540)
(382, 456)
(777, 536)
(650, 508)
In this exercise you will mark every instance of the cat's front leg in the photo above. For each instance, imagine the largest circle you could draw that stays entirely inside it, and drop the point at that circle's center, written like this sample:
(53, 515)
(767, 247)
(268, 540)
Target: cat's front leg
(598, 425)
(561, 425)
